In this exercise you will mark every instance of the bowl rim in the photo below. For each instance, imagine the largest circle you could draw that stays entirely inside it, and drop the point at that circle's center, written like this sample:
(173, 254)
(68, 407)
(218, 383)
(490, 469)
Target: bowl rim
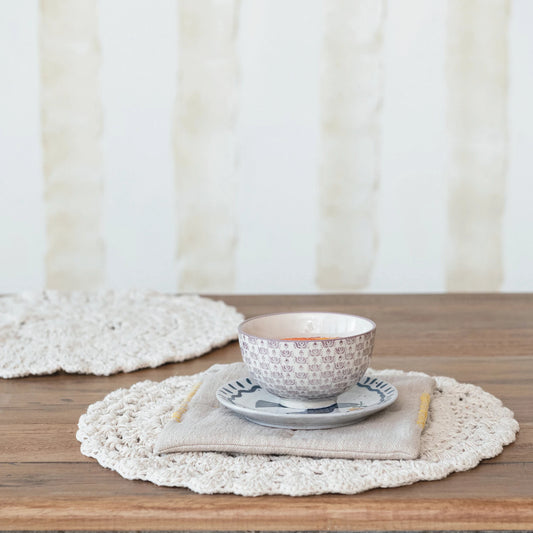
(239, 328)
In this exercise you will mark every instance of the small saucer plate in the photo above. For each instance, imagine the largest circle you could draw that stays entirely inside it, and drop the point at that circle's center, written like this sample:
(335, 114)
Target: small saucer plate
(247, 398)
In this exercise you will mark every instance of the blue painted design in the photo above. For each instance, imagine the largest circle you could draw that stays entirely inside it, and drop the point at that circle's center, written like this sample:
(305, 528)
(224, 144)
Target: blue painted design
(321, 410)
(366, 385)
(240, 392)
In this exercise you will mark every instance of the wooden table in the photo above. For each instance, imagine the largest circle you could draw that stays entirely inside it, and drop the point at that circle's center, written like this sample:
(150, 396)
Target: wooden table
(45, 483)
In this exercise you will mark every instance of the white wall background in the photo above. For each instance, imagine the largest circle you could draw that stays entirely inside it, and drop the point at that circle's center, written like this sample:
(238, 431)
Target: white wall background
(277, 139)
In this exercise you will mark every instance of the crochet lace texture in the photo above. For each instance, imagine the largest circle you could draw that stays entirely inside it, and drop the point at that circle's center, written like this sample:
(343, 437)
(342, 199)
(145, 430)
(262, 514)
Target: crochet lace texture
(465, 425)
(107, 332)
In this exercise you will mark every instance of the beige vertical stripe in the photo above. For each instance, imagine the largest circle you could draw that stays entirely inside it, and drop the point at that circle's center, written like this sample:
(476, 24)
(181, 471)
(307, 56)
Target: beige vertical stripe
(477, 75)
(351, 92)
(205, 144)
(71, 129)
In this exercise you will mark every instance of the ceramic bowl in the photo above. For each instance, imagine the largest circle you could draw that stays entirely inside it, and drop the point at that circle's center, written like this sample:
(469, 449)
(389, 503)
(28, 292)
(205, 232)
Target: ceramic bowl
(307, 359)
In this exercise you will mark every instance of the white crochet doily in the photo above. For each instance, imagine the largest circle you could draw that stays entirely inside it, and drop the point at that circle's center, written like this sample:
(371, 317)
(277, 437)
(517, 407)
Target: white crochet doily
(466, 425)
(107, 332)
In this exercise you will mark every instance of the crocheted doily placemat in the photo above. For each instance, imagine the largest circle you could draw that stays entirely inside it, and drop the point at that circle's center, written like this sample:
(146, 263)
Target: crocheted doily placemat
(465, 425)
(107, 331)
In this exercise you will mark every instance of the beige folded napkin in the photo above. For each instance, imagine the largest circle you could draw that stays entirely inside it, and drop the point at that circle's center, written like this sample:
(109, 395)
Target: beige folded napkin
(203, 424)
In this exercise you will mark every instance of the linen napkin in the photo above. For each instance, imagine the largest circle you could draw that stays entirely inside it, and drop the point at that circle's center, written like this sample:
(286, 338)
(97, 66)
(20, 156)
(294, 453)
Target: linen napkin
(203, 424)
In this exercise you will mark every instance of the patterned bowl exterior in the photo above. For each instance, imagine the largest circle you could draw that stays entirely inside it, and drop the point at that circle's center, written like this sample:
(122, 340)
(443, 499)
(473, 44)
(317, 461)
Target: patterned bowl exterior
(307, 369)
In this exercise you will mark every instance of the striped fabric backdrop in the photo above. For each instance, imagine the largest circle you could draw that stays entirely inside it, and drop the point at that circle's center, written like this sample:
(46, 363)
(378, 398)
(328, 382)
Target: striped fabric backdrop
(266, 145)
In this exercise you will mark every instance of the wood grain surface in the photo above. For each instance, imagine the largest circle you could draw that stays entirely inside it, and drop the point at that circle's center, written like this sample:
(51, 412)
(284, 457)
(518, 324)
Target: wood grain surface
(46, 484)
